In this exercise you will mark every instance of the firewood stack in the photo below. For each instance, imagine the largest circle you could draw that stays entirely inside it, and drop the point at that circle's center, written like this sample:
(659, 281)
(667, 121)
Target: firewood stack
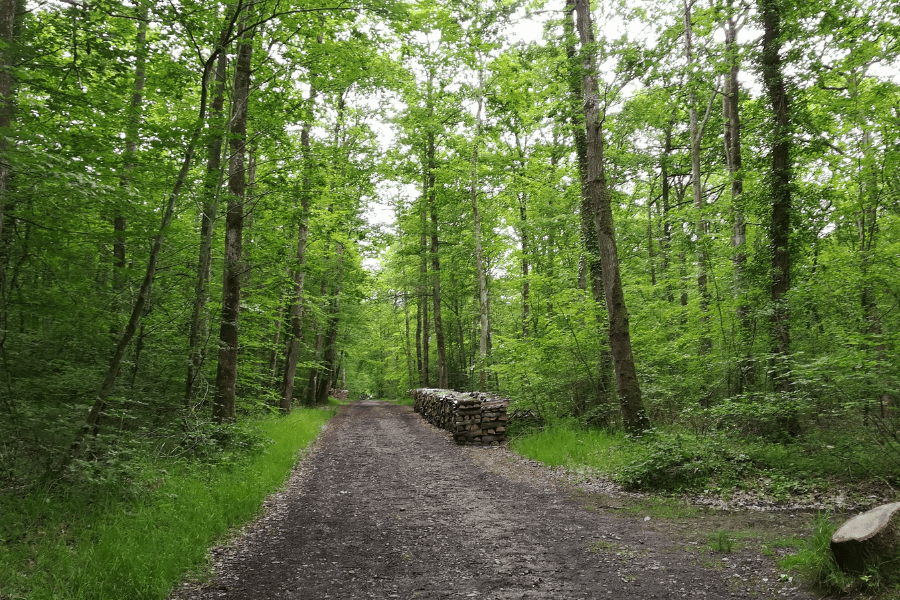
(474, 418)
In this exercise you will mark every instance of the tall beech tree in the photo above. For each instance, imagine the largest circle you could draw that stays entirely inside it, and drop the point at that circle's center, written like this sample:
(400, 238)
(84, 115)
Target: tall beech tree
(299, 270)
(779, 187)
(627, 385)
(212, 184)
(226, 370)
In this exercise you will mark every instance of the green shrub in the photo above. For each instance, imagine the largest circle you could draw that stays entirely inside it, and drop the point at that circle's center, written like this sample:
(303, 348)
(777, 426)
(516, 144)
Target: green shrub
(675, 462)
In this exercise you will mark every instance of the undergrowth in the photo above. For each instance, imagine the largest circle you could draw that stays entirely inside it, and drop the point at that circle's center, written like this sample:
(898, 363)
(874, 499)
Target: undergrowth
(70, 545)
(676, 460)
(566, 444)
(815, 563)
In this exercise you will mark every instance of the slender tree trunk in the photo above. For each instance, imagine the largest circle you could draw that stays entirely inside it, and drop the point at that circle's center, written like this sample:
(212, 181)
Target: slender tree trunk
(665, 194)
(199, 331)
(326, 372)
(779, 189)
(11, 12)
(526, 245)
(628, 387)
(526, 289)
(697, 185)
(137, 311)
(484, 331)
(317, 351)
(732, 137)
(272, 362)
(419, 364)
(11, 15)
(651, 253)
(226, 372)
(423, 294)
(132, 132)
(593, 265)
(406, 344)
(443, 381)
(296, 312)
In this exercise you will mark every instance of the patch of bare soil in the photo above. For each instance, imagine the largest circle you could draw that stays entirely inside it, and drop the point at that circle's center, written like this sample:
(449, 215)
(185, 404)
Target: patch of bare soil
(386, 506)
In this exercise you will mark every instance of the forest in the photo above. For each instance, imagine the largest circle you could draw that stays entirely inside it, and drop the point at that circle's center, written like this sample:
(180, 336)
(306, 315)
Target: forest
(673, 221)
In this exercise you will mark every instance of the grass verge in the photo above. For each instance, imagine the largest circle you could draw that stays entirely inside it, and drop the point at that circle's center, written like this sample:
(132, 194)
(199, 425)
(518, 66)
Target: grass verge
(71, 548)
(815, 563)
(576, 448)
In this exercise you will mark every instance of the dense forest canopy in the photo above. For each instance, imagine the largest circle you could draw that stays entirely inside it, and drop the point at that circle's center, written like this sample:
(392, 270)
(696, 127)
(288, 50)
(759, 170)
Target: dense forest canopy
(640, 215)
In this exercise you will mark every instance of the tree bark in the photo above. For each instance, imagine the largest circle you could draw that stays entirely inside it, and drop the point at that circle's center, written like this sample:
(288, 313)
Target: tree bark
(226, 371)
(137, 311)
(593, 265)
(633, 414)
(11, 13)
(443, 381)
(479, 251)
(423, 294)
(697, 184)
(732, 138)
(326, 372)
(779, 189)
(293, 348)
(132, 132)
(665, 194)
(199, 330)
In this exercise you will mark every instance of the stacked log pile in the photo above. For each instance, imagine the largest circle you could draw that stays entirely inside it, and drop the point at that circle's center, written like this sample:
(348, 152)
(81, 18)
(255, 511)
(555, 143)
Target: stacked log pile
(474, 418)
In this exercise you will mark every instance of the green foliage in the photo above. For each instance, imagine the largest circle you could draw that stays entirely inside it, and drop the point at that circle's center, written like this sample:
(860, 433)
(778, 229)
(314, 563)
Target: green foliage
(60, 545)
(676, 462)
(567, 444)
(212, 443)
(764, 415)
(815, 562)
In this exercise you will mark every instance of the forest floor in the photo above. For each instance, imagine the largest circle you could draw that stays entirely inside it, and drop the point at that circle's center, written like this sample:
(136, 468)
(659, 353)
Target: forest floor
(387, 506)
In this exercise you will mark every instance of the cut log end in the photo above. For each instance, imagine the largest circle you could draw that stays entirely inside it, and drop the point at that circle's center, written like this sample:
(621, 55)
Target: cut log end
(867, 539)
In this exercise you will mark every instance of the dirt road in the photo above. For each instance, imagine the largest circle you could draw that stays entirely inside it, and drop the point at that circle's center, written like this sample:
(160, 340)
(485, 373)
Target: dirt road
(388, 507)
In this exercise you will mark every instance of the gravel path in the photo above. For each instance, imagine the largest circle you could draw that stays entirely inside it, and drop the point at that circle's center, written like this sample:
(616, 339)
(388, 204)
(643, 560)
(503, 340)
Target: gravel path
(386, 506)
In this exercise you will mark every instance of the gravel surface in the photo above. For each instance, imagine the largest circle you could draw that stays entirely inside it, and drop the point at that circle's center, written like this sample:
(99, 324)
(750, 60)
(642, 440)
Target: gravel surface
(386, 506)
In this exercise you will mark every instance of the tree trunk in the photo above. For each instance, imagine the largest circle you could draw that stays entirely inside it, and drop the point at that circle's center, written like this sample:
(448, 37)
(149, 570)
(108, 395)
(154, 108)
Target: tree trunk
(423, 294)
(868, 539)
(11, 14)
(293, 348)
(199, 331)
(732, 137)
(665, 194)
(406, 344)
(443, 381)
(697, 184)
(226, 372)
(479, 251)
(310, 395)
(633, 414)
(779, 190)
(589, 238)
(132, 132)
(326, 371)
(109, 379)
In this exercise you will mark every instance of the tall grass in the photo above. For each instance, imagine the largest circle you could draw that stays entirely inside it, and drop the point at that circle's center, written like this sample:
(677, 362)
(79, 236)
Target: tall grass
(111, 549)
(571, 446)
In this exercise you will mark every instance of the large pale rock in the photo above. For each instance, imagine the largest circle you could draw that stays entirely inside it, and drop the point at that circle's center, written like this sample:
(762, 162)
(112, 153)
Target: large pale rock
(868, 537)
